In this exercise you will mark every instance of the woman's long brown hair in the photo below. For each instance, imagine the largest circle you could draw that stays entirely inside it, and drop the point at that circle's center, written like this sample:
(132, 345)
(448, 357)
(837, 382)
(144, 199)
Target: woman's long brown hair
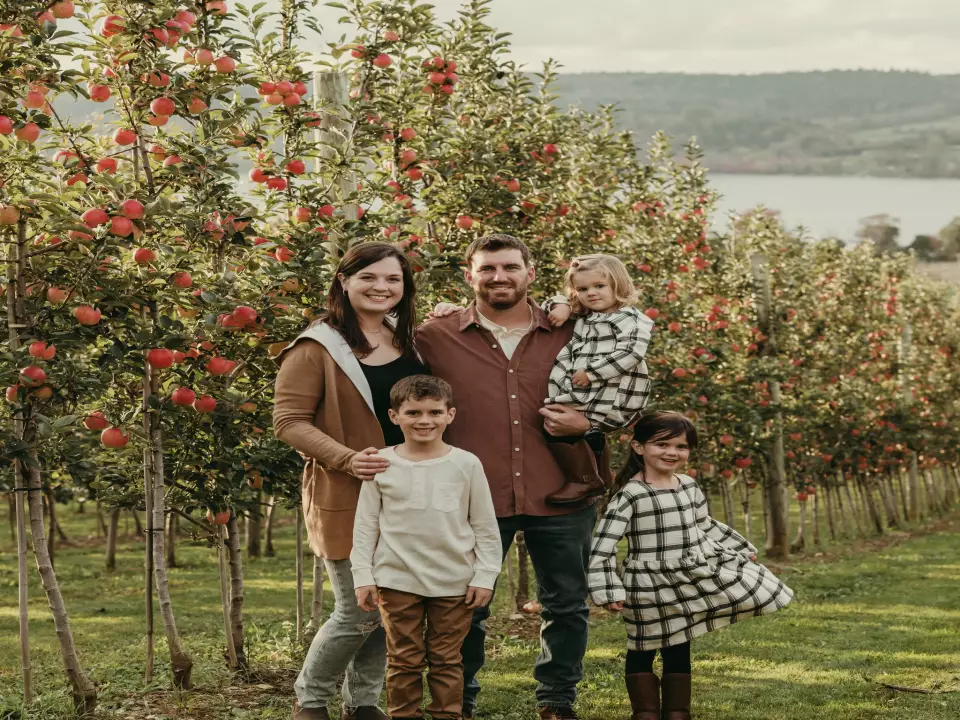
(340, 314)
(662, 425)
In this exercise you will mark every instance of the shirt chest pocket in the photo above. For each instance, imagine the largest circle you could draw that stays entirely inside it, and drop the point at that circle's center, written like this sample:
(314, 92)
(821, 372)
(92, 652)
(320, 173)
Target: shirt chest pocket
(447, 495)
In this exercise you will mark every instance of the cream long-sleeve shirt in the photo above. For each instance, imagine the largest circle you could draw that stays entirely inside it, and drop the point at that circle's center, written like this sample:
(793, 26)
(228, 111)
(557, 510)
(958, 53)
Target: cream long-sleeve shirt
(427, 527)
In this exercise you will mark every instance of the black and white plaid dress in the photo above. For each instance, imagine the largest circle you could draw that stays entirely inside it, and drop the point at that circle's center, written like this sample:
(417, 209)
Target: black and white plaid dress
(610, 347)
(684, 574)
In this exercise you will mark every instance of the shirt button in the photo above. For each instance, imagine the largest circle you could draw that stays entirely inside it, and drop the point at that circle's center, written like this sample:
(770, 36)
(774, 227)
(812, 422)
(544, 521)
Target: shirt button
(510, 370)
(513, 397)
(518, 474)
(494, 347)
(516, 449)
(516, 422)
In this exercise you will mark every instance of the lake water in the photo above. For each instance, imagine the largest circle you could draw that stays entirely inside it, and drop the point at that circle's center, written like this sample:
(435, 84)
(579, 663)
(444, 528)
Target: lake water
(833, 206)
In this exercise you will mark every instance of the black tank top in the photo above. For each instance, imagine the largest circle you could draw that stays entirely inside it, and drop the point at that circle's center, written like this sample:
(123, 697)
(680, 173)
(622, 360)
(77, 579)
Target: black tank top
(383, 377)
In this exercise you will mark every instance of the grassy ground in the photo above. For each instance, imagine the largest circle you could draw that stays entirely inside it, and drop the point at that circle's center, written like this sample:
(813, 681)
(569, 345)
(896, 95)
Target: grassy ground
(884, 612)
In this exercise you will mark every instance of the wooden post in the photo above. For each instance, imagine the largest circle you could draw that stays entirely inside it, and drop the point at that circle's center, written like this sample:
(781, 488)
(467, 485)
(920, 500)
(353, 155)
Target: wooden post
(316, 605)
(148, 483)
(334, 132)
(778, 540)
(906, 338)
(19, 487)
(271, 515)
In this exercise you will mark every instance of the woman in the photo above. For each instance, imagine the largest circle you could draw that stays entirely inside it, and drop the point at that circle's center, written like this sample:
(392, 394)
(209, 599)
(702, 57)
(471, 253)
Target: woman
(331, 403)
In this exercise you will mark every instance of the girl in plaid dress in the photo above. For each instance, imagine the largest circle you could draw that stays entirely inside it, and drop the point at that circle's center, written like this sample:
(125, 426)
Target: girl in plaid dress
(684, 574)
(601, 372)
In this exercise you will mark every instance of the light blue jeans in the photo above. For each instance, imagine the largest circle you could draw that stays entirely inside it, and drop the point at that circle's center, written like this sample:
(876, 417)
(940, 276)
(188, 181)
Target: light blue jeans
(351, 643)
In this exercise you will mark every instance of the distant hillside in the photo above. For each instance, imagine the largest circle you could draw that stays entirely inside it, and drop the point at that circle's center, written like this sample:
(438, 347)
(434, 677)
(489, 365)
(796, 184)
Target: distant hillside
(826, 123)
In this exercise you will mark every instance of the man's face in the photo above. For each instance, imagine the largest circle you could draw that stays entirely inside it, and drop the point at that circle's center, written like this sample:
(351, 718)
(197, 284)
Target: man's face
(499, 278)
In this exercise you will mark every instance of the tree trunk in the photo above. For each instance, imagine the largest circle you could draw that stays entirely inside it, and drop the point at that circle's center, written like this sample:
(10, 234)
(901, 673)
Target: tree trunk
(18, 520)
(903, 495)
(225, 595)
(137, 525)
(936, 499)
(800, 541)
(253, 527)
(268, 531)
(727, 498)
(828, 498)
(523, 571)
(84, 692)
(235, 554)
(316, 606)
(101, 521)
(12, 509)
(914, 484)
(299, 574)
(745, 503)
(112, 539)
(853, 512)
(873, 512)
(889, 496)
(172, 528)
(52, 532)
(816, 518)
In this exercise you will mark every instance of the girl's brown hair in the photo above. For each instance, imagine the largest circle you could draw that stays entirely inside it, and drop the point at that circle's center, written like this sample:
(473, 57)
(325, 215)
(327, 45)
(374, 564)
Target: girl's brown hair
(662, 425)
(612, 268)
(340, 314)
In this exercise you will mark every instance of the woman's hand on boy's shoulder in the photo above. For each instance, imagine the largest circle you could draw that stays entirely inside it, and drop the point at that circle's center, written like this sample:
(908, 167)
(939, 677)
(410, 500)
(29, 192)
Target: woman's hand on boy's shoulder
(367, 464)
(367, 597)
(478, 597)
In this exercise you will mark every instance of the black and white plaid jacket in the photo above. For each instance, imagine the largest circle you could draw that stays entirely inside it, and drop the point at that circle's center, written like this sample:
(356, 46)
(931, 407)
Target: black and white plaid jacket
(610, 347)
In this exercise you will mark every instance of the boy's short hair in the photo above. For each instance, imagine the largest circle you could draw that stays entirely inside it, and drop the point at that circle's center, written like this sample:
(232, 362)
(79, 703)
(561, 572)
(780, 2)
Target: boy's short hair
(420, 387)
(499, 241)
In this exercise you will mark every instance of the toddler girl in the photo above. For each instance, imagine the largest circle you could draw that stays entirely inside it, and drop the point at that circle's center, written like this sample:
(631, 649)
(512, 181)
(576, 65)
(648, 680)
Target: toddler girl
(684, 574)
(601, 372)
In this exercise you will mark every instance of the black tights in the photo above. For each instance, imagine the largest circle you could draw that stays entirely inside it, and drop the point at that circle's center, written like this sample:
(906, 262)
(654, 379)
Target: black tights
(676, 659)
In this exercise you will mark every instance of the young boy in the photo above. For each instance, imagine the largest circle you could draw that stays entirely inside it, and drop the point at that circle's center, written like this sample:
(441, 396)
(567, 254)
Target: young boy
(426, 549)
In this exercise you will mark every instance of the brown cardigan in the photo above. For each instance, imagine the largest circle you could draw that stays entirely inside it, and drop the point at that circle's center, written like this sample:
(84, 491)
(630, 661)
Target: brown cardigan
(320, 411)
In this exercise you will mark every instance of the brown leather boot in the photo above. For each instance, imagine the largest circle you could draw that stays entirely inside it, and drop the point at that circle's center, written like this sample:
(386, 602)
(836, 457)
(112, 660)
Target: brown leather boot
(365, 712)
(676, 696)
(574, 493)
(644, 692)
(300, 713)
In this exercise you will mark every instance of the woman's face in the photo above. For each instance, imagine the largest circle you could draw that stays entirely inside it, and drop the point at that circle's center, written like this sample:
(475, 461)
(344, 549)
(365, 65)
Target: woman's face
(376, 289)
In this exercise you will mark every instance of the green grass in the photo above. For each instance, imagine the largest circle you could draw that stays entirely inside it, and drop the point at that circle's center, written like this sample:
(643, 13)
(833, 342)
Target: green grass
(860, 619)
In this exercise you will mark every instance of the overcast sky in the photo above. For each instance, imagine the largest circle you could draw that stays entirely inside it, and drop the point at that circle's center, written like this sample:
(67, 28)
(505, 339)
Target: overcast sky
(723, 36)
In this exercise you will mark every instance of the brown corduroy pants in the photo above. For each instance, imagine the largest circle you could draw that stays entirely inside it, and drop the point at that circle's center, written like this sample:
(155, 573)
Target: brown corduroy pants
(424, 633)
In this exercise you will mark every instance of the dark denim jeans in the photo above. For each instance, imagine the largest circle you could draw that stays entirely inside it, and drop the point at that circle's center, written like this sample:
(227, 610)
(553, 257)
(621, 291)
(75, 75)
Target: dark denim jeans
(559, 549)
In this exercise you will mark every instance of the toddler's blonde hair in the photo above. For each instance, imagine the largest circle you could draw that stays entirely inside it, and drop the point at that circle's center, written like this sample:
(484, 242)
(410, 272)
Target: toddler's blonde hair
(613, 270)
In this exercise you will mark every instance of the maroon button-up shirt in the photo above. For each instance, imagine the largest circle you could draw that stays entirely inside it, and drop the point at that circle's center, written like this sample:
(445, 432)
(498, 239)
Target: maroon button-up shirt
(498, 405)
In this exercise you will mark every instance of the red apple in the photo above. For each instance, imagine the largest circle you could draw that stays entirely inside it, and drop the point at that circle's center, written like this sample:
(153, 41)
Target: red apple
(679, 373)
(743, 462)
(276, 183)
(726, 440)
(244, 314)
(204, 404)
(183, 396)
(382, 61)
(9, 215)
(464, 222)
(107, 165)
(160, 358)
(204, 57)
(13, 393)
(172, 160)
(42, 351)
(28, 133)
(326, 211)
(220, 366)
(63, 10)
(390, 36)
(408, 134)
(133, 209)
(185, 17)
(267, 88)
(86, 315)
(163, 106)
(124, 136)
(257, 175)
(32, 376)
(6, 125)
(550, 149)
(220, 518)
(56, 295)
(291, 100)
(652, 313)
(114, 438)
(96, 421)
(95, 217)
(144, 256)
(302, 214)
(285, 87)
(225, 64)
(182, 280)
(296, 167)
(283, 254)
(121, 226)
(98, 93)
(112, 24)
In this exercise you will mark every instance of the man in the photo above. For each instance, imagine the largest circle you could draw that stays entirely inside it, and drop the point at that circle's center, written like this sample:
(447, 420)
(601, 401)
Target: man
(498, 355)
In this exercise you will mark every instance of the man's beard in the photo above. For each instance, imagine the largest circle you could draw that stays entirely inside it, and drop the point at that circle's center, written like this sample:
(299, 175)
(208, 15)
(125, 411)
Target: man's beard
(518, 296)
